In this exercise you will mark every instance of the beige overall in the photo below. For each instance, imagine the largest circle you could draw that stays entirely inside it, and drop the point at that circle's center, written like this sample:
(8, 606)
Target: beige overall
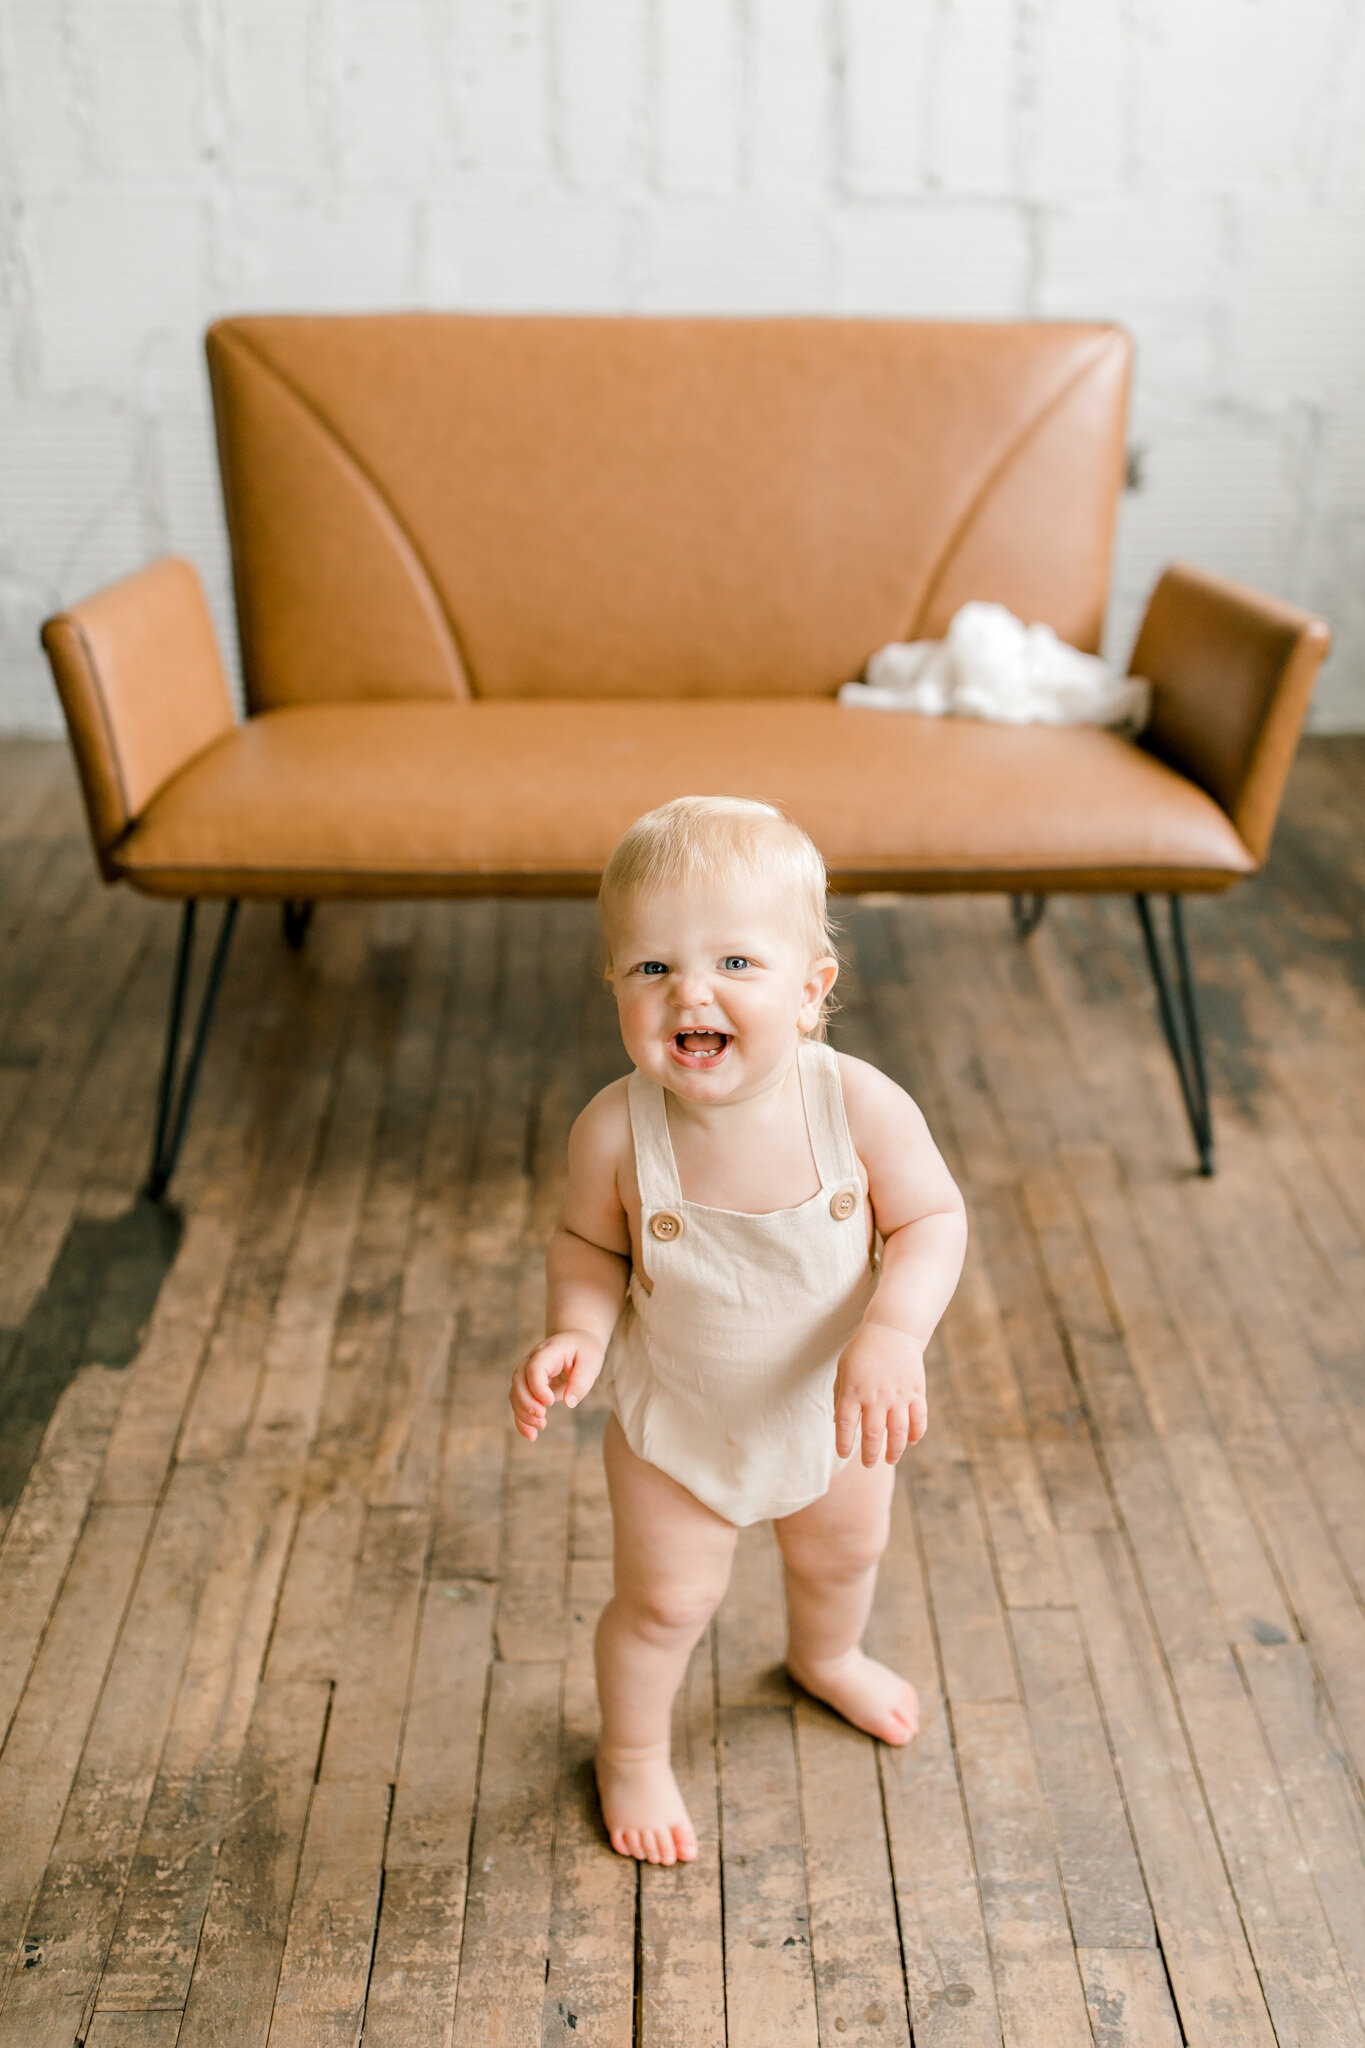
(723, 1375)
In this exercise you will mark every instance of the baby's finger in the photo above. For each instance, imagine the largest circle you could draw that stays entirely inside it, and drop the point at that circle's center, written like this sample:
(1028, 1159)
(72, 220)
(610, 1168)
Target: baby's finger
(897, 1434)
(529, 1422)
(874, 1429)
(524, 1403)
(577, 1382)
(539, 1370)
(919, 1417)
(528, 1414)
(847, 1420)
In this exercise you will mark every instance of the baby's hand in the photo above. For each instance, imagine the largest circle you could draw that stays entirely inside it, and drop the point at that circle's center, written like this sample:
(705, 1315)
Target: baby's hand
(879, 1392)
(565, 1365)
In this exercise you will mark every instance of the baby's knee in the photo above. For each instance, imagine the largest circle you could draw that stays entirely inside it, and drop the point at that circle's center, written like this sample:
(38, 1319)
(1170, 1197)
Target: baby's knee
(666, 1610)
(839, 1555)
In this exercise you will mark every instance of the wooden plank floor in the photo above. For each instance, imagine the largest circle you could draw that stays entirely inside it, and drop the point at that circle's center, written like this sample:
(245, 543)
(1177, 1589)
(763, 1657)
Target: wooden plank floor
(295, 1633)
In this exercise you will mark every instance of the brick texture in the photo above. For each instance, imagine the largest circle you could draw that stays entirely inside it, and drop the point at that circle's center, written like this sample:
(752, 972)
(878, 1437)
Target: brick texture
(1194, 170)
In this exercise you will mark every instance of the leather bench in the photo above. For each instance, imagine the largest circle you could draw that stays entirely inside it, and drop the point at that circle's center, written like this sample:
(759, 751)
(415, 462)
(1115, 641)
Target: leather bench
(503, 584)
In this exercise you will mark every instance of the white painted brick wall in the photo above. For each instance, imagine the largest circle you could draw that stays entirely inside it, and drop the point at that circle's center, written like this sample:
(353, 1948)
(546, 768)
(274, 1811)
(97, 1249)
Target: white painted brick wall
(697, 95)
(274, 73)
(739, 255)
(110, 282)
(1195, 168)
(977, 99)
(550, 254)
(143, 77)
(390, 57)
(501, 101)
(968, 259)
(788, 135)
(599, 70)
(1080, 114)
(1241, 84)
(886, 68)
(334, 251)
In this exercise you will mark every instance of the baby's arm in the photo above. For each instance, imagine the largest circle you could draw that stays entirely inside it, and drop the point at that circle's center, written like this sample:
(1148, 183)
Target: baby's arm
(880, 1389)
(587, 1265)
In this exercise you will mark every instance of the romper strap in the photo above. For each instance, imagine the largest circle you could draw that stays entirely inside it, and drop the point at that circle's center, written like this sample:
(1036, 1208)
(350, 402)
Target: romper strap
(656, 1170)
(826, 1120)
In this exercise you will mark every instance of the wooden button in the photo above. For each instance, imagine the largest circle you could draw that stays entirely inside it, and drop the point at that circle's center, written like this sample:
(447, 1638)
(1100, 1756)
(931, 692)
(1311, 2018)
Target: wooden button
(843, 1204)
(666, 1226)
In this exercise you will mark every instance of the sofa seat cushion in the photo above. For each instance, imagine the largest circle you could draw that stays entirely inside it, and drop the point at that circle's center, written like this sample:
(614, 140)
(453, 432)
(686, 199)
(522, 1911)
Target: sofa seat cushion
(406, 797)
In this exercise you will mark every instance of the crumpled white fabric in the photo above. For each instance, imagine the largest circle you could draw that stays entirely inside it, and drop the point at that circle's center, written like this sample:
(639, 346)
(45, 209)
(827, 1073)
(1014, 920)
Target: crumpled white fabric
(991, 665)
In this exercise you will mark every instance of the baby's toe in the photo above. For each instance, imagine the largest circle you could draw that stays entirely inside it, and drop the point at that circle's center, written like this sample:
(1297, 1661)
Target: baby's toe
(685, 1843)
(667, 1847)
(890, 1726)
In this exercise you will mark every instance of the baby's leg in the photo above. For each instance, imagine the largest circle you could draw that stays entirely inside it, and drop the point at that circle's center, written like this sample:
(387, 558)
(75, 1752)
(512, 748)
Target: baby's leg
(672, 1565)
(831, 1551)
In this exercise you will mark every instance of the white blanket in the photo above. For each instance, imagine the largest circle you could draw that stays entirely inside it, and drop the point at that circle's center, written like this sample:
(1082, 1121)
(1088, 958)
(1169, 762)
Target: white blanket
(994, 666)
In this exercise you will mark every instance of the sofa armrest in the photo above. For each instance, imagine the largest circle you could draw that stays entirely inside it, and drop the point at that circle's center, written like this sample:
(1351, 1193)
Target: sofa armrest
(142, 685)
(1231, 673)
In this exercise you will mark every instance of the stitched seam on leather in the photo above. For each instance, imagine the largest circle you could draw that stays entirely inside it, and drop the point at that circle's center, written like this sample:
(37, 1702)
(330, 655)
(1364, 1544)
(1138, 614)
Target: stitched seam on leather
(89, 654)
(1301, 653)
(241, 867)
(958, 537)
(328, 426)
(245, 639)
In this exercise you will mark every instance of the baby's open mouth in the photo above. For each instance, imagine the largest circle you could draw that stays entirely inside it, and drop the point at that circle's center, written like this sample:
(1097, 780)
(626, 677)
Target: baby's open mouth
(700, 1045)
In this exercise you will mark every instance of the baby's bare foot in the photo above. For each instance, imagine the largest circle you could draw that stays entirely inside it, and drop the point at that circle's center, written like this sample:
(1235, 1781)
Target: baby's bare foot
(643, 1809)
(865, 1693)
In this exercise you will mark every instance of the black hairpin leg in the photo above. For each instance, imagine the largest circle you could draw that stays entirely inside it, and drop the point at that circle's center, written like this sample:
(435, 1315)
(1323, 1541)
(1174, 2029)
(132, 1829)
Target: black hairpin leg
(296, 916)
(1181, 1026)
(1027, 912)
(173, 1100)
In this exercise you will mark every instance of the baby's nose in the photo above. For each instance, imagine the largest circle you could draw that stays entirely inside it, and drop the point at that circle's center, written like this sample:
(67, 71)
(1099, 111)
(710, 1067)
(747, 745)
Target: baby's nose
(692, 992)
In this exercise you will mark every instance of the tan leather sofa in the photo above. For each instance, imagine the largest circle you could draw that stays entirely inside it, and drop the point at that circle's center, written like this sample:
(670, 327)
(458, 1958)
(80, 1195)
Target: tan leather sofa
(503, 584)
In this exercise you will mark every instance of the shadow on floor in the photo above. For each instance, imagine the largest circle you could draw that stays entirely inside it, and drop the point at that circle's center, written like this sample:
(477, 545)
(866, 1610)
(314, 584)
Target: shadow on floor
(93, 1310)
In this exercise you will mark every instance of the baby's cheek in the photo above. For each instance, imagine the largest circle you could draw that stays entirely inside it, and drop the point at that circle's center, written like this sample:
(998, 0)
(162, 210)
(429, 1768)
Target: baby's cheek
(633, 1018)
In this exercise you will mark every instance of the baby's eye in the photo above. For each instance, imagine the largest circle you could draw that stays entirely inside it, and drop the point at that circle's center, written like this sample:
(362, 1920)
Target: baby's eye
(735, 962)
(651, 967)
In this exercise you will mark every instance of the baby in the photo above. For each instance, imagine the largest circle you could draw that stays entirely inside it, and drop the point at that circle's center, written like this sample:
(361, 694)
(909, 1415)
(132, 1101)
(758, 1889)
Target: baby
(758, 1239)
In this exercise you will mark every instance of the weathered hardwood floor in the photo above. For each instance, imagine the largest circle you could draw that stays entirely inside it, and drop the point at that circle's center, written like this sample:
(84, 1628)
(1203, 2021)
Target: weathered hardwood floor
(295, 1672)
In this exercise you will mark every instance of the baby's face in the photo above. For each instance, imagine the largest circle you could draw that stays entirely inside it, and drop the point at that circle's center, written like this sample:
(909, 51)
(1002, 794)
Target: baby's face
(713, 988)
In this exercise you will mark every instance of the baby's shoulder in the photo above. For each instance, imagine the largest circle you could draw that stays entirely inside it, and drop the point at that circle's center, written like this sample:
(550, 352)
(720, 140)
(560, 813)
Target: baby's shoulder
(875, 1104)
(599, 1146)
(601, 1130)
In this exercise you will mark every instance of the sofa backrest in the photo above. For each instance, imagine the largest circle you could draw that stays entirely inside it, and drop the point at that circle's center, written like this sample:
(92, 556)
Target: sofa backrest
(436, 504)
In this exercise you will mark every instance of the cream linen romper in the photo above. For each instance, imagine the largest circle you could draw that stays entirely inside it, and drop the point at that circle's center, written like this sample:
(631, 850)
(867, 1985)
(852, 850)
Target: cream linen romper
(723, 1375)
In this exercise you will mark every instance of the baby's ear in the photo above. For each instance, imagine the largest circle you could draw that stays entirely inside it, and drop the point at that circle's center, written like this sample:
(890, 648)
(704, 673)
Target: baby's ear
(820, 979)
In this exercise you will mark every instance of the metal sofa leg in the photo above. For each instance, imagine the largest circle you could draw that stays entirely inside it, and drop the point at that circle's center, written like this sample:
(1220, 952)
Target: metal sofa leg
(173, 1101)
(1182, 1029)
(296, 918)
(1027, 913)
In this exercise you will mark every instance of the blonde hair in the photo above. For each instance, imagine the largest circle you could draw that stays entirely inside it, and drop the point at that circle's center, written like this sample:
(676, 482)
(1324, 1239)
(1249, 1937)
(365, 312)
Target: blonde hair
(719, 839)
